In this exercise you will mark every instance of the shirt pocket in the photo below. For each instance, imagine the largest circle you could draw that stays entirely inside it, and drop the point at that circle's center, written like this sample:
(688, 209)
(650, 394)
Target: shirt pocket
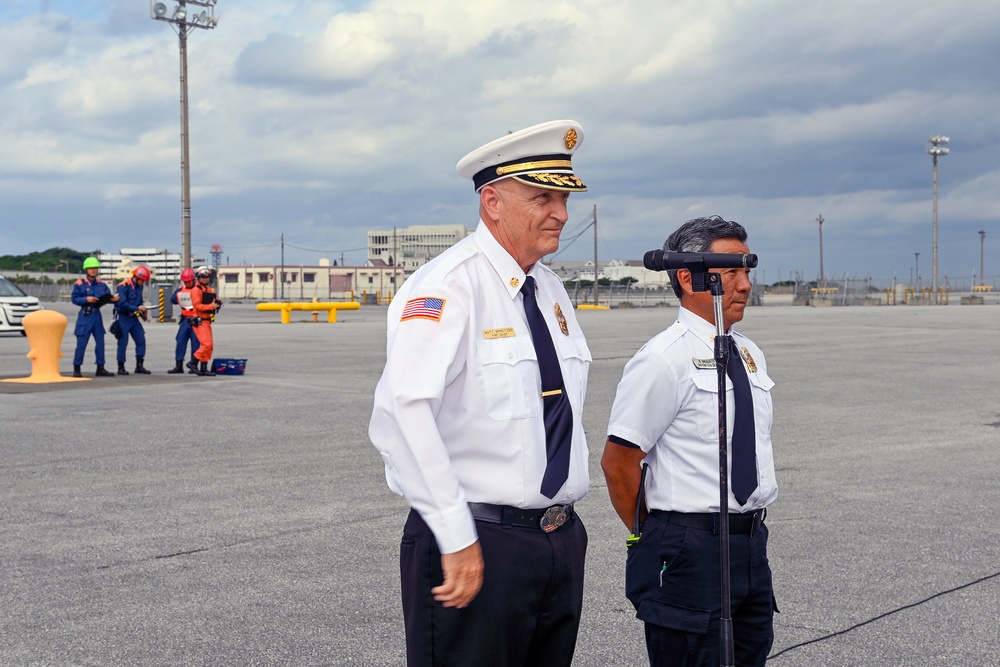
(509, 378)
(575, 368)
(760, 385)
(707, 405)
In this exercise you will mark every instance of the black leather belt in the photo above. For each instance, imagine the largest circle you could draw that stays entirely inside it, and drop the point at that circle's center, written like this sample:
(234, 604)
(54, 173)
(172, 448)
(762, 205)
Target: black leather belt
(546, 519)
(739, 524)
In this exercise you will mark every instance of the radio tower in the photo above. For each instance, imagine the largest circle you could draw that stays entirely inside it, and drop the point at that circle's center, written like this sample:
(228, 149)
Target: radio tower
(216, 256)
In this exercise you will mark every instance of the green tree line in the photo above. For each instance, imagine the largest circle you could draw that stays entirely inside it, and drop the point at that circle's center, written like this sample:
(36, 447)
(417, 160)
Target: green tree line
(63, 260)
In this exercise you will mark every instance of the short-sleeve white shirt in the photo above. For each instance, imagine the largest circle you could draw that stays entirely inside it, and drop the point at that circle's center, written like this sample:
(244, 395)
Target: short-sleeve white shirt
(667, 405)
(458, 413)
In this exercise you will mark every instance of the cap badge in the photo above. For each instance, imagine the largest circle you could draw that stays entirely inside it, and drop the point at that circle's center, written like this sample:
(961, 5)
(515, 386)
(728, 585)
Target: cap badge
(570, 139)
(562, 320)
(514, 282)
(751, 364)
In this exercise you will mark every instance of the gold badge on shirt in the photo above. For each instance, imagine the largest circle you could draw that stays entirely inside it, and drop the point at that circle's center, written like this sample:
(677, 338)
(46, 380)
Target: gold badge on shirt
(514, 282)
(751, 364)
(562, 321)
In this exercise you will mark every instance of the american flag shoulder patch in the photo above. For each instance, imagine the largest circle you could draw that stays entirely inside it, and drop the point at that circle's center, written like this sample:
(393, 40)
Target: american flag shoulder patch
(425, 307)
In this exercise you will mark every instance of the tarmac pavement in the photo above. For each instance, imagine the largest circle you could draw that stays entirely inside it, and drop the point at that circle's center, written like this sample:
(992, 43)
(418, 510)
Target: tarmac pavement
(244, 520)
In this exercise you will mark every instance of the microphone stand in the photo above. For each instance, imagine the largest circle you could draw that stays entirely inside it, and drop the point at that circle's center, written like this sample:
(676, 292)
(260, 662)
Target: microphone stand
(726, 651)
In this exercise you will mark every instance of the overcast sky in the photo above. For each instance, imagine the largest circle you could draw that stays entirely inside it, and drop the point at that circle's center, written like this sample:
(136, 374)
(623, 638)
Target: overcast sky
(322, 120)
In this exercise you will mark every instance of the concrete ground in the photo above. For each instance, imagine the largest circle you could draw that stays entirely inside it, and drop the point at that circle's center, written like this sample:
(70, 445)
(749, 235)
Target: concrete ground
(177, 520)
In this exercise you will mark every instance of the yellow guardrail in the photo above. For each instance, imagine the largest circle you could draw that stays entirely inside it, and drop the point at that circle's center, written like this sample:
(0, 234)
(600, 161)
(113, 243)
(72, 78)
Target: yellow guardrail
(331, 308)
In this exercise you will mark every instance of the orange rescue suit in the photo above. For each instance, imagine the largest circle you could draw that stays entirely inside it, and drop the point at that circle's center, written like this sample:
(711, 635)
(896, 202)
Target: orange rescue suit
(204, 330)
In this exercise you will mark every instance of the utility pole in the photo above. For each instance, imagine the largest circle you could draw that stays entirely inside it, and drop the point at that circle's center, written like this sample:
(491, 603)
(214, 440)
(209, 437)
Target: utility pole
(982, 242)
(822, 276)
(595, 256)
(281, 277)
(936, 148)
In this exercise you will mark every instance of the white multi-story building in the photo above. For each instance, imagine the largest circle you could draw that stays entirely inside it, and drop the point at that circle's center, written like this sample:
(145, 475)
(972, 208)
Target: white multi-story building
(165, 266)
(414, 246)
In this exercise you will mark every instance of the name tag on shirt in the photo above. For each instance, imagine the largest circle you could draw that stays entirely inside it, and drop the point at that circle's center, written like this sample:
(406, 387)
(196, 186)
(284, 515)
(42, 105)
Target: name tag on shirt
(506, 332)
(703, 363)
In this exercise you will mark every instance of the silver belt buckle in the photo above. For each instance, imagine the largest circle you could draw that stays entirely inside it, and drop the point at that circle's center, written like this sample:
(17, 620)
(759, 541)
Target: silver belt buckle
(554, 517)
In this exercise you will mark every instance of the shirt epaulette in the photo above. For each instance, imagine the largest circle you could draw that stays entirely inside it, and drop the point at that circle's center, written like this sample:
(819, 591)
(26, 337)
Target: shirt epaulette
(79, 282)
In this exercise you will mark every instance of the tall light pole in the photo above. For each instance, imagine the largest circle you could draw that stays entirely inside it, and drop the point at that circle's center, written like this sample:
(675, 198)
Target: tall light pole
(182, 25)
(916, 257)
(822, 276)
(937, 146)
(982, 242)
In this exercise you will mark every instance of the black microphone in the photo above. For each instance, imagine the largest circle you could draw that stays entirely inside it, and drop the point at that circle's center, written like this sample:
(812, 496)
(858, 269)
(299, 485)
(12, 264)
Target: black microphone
(658, 260)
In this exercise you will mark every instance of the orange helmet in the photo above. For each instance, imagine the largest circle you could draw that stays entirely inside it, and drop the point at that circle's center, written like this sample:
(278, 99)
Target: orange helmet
(187, 275)
(142, 273)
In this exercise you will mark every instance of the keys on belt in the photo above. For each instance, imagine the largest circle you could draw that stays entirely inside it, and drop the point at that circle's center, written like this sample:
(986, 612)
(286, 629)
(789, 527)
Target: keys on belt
(546, 519)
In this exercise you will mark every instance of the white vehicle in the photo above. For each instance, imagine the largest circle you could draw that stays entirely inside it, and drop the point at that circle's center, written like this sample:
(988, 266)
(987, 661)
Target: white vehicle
(14, 305)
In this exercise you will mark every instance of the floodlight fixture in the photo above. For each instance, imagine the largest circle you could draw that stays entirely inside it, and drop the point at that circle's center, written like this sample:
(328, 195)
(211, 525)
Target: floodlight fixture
(183, 25)
(937, 146)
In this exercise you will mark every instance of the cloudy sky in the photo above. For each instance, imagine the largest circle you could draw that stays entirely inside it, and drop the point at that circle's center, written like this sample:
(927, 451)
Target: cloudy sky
(320, 120)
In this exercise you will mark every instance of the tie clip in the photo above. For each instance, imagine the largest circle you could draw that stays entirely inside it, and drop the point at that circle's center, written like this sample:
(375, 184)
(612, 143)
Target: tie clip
(554, 392)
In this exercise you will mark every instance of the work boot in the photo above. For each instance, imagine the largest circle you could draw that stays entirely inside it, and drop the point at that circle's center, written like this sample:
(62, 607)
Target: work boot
(76, 371)
(102, 373)
(179, 368)
(139, 367)
(192, 366)
(121, 368)
(206, 371)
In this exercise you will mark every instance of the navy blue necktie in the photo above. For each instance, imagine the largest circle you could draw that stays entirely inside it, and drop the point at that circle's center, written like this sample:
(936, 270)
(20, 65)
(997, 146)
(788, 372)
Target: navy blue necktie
(744, 433)
(558, 413)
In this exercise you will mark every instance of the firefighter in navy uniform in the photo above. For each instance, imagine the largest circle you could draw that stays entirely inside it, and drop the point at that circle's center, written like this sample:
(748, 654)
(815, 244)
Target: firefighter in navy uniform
(90, 293)
(204, 307)
(129, 310)
(185, 332)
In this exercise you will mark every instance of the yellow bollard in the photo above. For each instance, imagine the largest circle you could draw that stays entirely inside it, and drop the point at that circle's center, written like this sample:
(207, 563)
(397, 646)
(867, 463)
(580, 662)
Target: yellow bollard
(45, 329)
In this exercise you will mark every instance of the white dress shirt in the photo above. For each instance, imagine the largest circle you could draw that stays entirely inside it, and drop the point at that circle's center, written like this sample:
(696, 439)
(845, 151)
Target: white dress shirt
(458, 413)
(667, 404)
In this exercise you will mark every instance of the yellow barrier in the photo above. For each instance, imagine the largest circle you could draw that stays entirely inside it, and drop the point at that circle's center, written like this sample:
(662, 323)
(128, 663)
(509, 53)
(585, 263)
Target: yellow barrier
(590, 306)
(287, 308)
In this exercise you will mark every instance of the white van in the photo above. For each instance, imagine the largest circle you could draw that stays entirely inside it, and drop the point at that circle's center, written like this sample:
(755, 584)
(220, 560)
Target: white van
(14, 305)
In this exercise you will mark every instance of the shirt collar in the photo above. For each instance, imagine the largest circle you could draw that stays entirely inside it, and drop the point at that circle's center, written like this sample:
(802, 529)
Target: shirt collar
(699, 326)
(506, 267)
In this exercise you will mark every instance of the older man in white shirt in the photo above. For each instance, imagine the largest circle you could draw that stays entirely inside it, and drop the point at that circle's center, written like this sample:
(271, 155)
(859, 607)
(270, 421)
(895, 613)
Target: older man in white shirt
(478, 420)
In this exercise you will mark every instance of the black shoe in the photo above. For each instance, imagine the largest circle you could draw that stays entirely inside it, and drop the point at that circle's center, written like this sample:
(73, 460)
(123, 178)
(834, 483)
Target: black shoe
(121, 369)
(139, 368)
(206, 371)
(102, 373)
(179, 368)
(192, 367)
(76, 371)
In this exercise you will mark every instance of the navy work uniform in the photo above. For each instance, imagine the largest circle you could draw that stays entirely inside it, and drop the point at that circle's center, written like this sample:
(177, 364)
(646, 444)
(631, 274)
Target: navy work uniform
(127, 308)
(666, 405)
(459, 422)
(88, 320)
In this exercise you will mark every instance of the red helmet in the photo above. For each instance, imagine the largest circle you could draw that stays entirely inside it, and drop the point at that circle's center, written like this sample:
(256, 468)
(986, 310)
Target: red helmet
(187, 275)
(142, 273)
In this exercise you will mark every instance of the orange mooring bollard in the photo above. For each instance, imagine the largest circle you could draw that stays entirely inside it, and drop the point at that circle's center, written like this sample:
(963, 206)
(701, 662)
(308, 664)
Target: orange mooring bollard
(45, 329)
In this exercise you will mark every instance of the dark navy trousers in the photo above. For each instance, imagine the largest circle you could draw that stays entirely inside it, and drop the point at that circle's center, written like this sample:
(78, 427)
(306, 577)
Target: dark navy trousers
(672, 578)
(527, 613)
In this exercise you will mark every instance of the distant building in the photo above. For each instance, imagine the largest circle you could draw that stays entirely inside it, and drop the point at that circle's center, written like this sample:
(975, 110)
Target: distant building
(615, 271)
(301, 282)
(414, 246)
(165, 266)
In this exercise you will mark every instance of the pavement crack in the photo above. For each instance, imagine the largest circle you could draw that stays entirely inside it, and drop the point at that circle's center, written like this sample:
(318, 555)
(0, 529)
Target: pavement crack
(883, 615)
(180, 553)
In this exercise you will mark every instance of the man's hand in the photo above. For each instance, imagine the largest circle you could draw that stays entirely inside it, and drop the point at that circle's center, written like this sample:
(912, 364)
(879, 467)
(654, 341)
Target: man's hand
(116, 298)
(463, 577)
(91, 299)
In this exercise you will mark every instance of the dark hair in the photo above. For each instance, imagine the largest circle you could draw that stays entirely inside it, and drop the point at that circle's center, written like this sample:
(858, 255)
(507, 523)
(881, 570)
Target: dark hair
(698, 235)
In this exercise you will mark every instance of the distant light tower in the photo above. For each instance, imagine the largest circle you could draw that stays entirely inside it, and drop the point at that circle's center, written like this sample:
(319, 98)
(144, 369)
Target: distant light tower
(916, 257)
(216, 255)
(822, 276)
(182, 25)
(982, 243)
(936, 148)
